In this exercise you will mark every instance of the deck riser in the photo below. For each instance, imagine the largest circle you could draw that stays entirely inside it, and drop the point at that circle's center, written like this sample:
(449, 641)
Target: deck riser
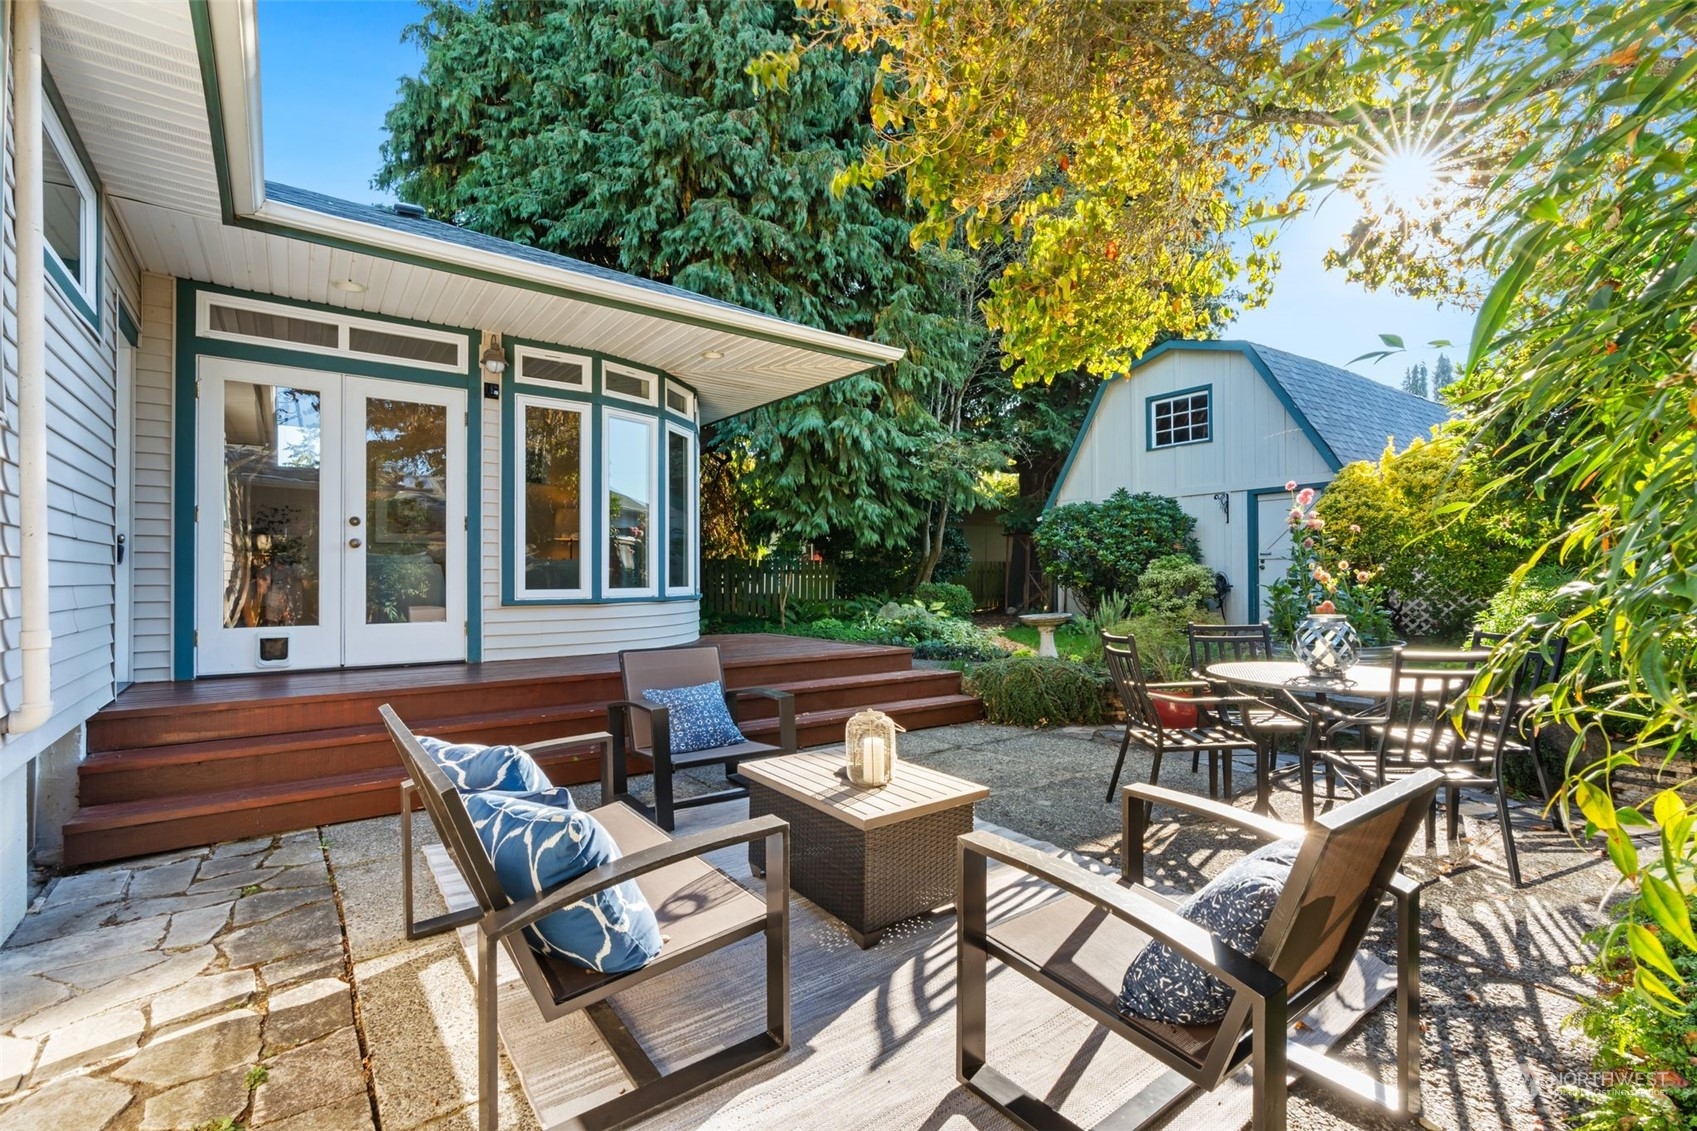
(116, 729)
(93, 846)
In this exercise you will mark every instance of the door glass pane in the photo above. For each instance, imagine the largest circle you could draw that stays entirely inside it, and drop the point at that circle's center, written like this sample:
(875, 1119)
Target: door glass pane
(553, 493)
(406, 511)
(677, 511)
(630, 486)
(272, 504)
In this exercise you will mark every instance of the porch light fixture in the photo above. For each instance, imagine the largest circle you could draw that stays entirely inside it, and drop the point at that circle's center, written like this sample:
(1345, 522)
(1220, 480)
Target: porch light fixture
(713, 355)
(494, 358)
(348, 286)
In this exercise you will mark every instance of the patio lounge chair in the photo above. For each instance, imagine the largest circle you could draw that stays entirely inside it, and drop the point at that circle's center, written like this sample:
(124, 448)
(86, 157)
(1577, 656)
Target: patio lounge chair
(1143, 722)
(1077, 947)
(646, 727)
(700, 911)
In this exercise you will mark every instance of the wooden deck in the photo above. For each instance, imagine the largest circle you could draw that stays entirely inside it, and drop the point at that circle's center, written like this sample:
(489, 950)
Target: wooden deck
(172, 765)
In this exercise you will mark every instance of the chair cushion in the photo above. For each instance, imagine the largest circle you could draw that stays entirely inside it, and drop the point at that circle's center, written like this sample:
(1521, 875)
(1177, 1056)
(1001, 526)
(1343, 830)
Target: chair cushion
(536, 848)
(699, 719)
(473, 767)
(1235, 906)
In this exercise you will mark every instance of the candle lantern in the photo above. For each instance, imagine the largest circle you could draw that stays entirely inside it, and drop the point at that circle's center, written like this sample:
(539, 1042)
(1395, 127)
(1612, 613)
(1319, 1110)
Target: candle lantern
(871, 747)
(1327, 643)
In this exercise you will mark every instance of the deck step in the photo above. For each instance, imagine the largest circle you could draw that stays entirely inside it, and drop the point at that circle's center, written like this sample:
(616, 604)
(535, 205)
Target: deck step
(174, 766)
(131, 828)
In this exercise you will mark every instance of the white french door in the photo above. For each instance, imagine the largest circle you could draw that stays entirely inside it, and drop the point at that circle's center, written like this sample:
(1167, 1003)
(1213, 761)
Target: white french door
(331, 520)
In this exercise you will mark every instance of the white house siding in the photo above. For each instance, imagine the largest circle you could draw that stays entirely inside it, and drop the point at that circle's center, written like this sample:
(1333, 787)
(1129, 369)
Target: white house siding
(1256, 444)
(150, 508)
(525, 631)
(81, 424)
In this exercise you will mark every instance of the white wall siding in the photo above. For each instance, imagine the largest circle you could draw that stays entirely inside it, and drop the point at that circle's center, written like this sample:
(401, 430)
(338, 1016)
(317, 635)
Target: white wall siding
(1257, 444)
(150, 514)
(528, 631)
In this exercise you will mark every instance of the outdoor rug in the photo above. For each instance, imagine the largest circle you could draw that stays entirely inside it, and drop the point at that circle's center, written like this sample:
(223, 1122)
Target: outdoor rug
(872, 1041)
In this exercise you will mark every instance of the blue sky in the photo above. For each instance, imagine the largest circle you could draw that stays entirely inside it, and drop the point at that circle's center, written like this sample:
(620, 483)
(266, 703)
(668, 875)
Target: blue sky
(329, 69)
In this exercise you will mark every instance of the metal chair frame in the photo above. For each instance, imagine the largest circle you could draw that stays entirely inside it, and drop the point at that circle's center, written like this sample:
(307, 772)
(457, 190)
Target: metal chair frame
(501, 920)
(1264, 1002)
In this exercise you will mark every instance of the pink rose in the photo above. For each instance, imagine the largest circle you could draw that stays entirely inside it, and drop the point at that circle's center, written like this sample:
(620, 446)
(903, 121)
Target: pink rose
(1305, 497)
(1291, 486)
(1316, 523)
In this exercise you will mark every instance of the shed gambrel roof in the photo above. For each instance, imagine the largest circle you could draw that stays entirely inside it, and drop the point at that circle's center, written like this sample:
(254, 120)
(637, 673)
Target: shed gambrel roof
(1346, 416)
(1354, 415)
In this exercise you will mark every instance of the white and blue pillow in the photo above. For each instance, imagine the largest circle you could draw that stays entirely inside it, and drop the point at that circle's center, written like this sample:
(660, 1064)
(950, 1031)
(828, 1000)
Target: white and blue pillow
(1235, 905)
(537, 847)
(698, 718)
(473, 768)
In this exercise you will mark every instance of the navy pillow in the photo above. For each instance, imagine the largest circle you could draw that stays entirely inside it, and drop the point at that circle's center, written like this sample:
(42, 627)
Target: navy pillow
(473, 767)
(699, 718)
(536, 848)
(1235, 906)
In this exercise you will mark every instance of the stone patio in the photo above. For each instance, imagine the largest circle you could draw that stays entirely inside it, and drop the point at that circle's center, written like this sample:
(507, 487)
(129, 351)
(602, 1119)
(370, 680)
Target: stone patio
(267, 983)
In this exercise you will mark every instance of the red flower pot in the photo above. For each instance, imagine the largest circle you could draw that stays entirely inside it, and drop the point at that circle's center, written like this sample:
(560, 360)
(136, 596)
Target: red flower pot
(1176, 716)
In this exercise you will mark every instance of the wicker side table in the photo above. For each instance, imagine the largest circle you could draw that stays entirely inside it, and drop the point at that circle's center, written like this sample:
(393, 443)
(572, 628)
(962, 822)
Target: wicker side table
(871, 857)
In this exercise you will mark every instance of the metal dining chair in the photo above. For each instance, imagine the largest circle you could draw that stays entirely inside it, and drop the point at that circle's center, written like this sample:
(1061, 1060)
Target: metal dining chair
(1538, 668)
(1431, 719)
(1264, 721)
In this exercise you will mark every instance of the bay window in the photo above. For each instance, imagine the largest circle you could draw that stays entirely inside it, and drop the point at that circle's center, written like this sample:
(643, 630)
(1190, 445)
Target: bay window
(552, 481)
(628, 501)
(680, 511)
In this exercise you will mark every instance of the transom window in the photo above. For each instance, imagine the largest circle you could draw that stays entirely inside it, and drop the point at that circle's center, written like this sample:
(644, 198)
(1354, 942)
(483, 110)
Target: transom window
(1183, 418)
(235, 318)
(70, 221)
(680, 401)
(550, 368)
(628, 384)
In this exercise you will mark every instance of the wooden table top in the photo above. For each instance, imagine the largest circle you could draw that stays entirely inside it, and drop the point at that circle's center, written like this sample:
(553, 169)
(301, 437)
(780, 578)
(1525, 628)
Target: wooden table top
(812, 779)
(1369, 681)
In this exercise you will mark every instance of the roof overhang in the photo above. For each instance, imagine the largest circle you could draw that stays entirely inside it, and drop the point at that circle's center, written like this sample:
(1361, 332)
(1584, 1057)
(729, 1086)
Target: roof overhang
(167, 98)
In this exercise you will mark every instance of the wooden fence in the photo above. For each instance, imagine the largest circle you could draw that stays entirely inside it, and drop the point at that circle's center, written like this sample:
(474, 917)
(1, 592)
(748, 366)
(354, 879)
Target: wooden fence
(757, 589)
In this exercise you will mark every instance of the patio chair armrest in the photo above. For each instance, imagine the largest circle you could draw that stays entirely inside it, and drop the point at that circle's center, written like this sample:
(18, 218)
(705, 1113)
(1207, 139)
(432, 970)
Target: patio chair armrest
(1132, 905)
(525, 912)
(1137, 799)
(1204, 700)
(786, 710)
(659, 726)
(600, 738)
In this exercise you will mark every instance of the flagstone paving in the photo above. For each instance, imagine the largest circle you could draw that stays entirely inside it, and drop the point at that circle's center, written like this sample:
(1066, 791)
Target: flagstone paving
(267, 984)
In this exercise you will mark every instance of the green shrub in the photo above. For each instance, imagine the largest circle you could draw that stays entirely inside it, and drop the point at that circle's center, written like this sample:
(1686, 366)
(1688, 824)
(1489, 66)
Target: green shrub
(1644, 1049)
(956, 599)
(1031, 691)
(1175, 584)
(1163, 646)
(1098, 548)
(1535, 596)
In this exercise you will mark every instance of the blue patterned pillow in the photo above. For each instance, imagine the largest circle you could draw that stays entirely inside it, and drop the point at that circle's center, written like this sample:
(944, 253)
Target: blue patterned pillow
(473, 767)
(698, 716)
(1235, 905)
(536, 848)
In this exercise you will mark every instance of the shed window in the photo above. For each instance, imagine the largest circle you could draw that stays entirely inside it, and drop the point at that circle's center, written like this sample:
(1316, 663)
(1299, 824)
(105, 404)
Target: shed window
(68, 210)
(1180, 419)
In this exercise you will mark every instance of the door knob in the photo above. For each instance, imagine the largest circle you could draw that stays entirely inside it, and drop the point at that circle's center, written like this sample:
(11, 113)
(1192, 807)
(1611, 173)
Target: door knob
(353, 543)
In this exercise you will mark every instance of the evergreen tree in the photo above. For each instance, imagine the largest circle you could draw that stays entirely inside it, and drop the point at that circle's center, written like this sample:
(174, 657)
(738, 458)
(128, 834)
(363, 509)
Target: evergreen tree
(1443, 376)
(627, 133)
(1414, 381)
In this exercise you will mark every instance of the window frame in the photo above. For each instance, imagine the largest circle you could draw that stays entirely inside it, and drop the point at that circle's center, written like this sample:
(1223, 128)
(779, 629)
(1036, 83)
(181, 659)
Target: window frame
(653, 379)
(656, 502)
(1153, 402)
(206, 300)
(82, 288)
(690, 400)
(587, 541)
(692, 510)
(522, 351)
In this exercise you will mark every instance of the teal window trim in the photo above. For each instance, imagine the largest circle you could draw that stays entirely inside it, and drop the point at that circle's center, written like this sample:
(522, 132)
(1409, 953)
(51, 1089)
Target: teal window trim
(87, 303)
(128, 326)
(621, 409)
(672, 425)
(513, 519)
(185, 473)
(1255, 495)
(595, 403)
(1151, 402)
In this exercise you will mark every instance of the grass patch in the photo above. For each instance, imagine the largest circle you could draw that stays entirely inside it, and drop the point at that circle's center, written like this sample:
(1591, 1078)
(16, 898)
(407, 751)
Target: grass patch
(1072, 641)
(257, 1075)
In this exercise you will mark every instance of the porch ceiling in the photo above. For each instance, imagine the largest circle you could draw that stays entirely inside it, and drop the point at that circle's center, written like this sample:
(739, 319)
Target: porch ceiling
(131, 77)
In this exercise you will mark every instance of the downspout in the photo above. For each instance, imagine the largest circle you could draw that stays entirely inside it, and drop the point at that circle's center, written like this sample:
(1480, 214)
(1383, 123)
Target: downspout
(36, 639)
